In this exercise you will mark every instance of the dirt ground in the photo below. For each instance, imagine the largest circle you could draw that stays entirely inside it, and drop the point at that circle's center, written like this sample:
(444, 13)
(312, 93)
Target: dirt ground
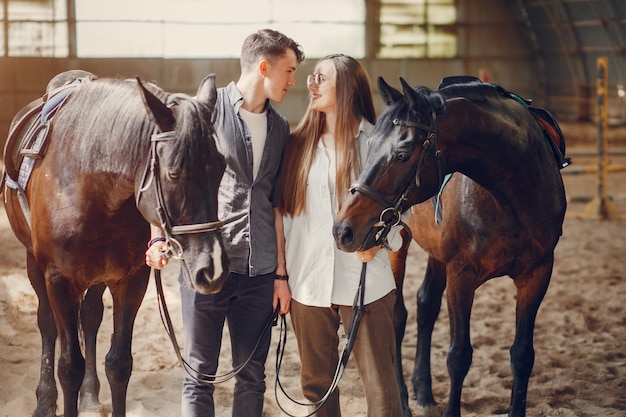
(580, 335)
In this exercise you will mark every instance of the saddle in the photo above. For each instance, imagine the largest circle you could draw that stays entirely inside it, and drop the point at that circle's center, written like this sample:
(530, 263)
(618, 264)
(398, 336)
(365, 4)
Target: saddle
(553, 134)
(550, 127)
(22, 151)
(32, 145)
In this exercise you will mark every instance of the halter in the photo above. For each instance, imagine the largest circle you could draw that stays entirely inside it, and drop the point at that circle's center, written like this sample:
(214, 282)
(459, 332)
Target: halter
(392, 213)
(174, 247)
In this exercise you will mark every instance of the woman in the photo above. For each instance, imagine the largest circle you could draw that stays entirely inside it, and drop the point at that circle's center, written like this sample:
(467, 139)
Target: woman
(321, 160)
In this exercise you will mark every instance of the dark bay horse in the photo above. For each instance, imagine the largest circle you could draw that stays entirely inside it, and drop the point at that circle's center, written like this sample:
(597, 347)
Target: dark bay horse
(87, 168)
(500, 214)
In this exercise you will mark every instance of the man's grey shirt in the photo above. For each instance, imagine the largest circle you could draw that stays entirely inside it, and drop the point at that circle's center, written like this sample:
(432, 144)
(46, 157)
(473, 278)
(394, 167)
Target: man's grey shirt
(246, 204)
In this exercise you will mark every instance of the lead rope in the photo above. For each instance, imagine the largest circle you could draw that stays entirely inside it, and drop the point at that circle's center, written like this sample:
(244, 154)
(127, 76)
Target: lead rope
(358, 308)
(194, 374)
(175, 250)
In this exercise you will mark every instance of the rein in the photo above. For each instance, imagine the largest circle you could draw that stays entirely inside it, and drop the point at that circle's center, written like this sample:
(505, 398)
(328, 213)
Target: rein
(194, 374)
(358, 308)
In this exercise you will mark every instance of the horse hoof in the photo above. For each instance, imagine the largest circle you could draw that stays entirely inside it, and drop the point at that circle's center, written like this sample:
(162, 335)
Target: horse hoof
(94, 413)
(428, 411)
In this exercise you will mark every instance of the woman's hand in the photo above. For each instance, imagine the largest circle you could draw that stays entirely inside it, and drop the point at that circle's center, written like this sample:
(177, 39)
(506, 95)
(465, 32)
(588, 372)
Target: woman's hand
(282, 294)
(368, 255)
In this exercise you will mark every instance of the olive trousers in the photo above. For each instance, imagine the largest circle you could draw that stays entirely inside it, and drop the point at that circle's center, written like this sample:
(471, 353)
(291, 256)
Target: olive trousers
(316, 330)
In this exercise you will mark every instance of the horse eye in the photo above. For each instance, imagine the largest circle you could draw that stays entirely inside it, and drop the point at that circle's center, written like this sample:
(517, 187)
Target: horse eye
(402, 156)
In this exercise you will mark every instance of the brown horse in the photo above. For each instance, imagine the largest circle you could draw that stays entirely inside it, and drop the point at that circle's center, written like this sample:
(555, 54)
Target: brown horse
(88, 167)
(501, 214)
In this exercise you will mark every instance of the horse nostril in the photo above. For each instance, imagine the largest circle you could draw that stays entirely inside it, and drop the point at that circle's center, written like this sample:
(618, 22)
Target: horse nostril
(211, 268)
(206, 275)
(208, 272)
(345, 234)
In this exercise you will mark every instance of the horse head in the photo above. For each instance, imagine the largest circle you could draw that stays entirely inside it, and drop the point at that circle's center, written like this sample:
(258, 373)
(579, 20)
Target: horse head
(401, 168)
(178, 189)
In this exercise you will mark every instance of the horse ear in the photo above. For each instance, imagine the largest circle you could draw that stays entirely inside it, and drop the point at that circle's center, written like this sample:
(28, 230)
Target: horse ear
(207, 92)
(389, 94)
(157, 110)
(416, 101)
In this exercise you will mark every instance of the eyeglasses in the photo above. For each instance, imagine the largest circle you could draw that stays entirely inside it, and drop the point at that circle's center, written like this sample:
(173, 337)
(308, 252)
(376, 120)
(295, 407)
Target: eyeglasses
(316, 79)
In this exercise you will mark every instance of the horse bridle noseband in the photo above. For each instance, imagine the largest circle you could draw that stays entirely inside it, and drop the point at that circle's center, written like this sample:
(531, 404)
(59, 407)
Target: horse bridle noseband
(392, 212)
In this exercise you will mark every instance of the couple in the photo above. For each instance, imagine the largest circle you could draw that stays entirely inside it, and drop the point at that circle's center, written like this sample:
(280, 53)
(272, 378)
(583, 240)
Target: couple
(296, 203)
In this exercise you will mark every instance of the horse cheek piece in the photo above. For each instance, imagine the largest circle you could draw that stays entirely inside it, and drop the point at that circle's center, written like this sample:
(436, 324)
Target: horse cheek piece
(104, 170)
(500, 214)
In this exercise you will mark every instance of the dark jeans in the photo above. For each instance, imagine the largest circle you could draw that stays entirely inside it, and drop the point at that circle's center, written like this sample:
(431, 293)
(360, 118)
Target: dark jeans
(246, 304)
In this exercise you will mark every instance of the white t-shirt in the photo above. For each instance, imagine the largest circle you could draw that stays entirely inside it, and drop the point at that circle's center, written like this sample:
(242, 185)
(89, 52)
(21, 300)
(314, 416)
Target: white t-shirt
(319, 273)
(257, 125)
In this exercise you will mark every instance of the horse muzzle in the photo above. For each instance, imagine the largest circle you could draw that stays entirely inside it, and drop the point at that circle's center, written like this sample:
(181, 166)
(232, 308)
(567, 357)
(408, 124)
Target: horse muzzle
(347, 238)
(208, 270)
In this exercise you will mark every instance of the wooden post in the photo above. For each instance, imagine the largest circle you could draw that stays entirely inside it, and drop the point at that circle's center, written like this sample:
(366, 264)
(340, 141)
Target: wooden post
(601, 207)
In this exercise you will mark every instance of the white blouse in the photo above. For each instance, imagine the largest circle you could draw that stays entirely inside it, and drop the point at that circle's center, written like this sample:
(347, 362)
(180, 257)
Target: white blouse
(319, 273)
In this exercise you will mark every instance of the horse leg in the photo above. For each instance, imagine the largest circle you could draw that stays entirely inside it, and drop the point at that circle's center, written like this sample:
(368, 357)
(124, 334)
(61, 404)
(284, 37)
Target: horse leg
(127, 296)
(91, 310)
(460, 298)
(71, 367)
(530, 293)
(47, 393)
(398, 266)
(428, 307)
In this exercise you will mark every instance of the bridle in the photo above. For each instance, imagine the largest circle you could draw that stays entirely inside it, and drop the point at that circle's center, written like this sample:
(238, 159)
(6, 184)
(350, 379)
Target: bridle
(174, 250)
(151, 175)
(391, 215)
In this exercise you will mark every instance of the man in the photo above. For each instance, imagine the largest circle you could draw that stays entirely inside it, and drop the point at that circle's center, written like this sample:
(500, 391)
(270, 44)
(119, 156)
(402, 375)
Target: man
(251, 135)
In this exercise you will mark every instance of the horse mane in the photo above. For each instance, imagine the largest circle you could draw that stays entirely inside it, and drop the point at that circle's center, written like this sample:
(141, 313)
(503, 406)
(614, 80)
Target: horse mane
(437, 102)
(126, 127)
(105, 124)
(475, 91)
(402, 111)
(193, 121)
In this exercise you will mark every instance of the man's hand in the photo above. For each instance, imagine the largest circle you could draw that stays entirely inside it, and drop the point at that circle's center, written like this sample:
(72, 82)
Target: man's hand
(154, 255)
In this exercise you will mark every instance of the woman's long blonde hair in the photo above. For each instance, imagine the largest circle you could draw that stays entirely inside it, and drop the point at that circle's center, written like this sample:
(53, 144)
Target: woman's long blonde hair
(354, 102)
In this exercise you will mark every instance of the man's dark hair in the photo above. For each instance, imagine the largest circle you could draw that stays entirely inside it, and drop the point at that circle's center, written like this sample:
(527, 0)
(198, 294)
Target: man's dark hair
(269, 44)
